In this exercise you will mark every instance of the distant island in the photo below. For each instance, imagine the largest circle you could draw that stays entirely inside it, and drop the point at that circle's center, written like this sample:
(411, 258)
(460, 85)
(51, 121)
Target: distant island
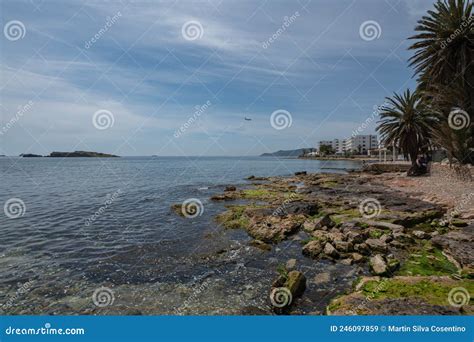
(86, 154)
(289, 153)
(82, 154)
(30, 155)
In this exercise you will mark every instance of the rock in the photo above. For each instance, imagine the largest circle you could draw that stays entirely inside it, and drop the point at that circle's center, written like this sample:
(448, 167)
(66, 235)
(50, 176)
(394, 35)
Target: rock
(460, 245)
(376, 245)
(330, 251)
(226, 196)
(291, 264)
(261, 245)
(178, 209)
(378, 266)
(384, 225)
(382, 267)
(313, 249)
(296, 283)
(347, 261)
(301, 208)
(322, 278)
(319, 223)
(458, 223)
(320, 235)
(386, 238)
(342, 246)
(356, 236)
(362, 248)
(272, 228)
(420, 234)
(403, 238)
(285, 290)
(301, 173)
(335, 235)
(356, 257)
(230, 188)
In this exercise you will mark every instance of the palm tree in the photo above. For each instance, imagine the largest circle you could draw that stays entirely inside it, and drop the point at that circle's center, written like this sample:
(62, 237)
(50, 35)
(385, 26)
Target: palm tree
(405, 123)
(443, 59)
(445, 44)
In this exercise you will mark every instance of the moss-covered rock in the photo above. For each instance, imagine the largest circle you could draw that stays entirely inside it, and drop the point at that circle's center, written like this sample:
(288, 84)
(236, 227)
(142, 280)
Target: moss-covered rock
(406, 295)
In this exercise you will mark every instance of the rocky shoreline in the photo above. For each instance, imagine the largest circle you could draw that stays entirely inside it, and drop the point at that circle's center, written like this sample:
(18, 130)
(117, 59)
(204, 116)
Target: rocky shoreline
(421, 263)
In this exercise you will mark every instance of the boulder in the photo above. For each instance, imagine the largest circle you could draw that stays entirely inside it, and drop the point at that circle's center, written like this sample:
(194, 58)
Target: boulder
(362, 248)
(346, 261)
(313, 249)
(319, 223)
(273, 229)
(342, 246)
(381, 266)
(402, 237)
(300, 208)
(330, 251)
(356, 257)
(356, 236)
(230, 188)
(291, 264)
(296, 283)
(420, 234)
(378, 266)
(376, 245)
(301, 173)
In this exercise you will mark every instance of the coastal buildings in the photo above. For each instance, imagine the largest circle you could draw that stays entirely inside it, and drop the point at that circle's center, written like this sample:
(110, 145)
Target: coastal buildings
(356, 144)
(361, 144)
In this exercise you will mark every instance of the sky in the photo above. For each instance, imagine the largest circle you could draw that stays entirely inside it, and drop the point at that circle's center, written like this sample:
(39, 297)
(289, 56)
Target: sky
(180, 78)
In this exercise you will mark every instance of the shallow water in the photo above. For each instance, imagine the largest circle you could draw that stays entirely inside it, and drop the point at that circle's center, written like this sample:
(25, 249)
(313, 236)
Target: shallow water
(90, 223)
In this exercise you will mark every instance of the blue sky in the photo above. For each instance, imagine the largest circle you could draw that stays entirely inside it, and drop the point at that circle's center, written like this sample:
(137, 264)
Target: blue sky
(148, 76)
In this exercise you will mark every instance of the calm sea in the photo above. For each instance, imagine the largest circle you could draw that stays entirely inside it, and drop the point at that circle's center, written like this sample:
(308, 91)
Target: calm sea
(72, 225)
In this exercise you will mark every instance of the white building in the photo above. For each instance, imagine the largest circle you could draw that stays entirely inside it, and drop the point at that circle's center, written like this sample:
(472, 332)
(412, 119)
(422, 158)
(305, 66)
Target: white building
(338, 145)
(358, 144)
(361, 144)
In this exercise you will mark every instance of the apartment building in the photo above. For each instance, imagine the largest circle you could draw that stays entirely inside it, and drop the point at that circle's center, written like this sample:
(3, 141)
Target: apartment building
(359, 144)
